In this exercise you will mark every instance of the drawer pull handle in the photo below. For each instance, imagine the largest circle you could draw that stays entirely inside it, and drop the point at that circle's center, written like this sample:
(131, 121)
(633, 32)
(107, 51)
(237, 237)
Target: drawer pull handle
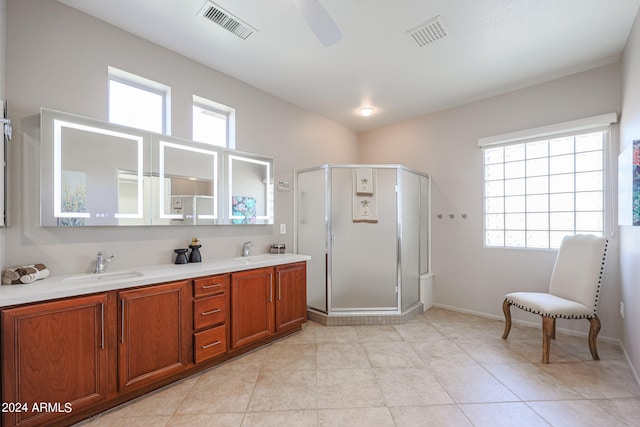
(206, 313)
(204, 347)
(211, 286)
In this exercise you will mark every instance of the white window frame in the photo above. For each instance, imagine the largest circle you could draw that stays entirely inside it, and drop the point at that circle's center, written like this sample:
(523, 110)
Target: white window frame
(148, 85)
(573, 128)
(223, 110)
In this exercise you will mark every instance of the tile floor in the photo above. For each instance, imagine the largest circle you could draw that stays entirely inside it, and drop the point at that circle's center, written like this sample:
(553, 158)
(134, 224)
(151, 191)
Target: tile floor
(441, 369)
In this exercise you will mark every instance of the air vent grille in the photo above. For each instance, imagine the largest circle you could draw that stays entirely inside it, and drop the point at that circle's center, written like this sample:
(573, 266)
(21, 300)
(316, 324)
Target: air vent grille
(428, 32)
(226, 20)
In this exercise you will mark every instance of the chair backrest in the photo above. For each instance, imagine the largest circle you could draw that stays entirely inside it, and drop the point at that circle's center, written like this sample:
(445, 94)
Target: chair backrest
(577, 273)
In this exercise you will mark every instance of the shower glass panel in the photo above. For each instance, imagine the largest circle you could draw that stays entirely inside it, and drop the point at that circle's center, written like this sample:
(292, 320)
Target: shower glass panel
(312, 234)
(425, 223)
(364, 268)
(410, 238)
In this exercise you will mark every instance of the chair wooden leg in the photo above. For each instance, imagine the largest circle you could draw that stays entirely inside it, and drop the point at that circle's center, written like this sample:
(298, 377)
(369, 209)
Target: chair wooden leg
(553, 332)
(594, 330)
(548, 333)
(506, 308)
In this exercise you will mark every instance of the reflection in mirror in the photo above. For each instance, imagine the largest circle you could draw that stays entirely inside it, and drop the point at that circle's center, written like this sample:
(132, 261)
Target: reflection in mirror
(188, 182)
(97, 174)
(250, 189)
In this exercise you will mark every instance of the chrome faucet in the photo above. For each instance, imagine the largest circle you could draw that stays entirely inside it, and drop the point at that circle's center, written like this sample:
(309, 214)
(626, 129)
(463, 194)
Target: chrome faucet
(246, 248)
(101, 262)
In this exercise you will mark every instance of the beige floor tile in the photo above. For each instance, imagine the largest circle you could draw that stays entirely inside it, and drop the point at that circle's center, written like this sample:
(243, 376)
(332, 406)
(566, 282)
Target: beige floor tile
(513, 414)
(418, 331)
(306, 418)
(377, 333)
(442, 351)
(410, 387)
(206, 420)
(131, 421)
(471, 384)
(529, 382)
(575, 413)
(306, 336)
(596, 379)
(336, 334)
(392, 354)
(429, 416)
(442, 368)
(164, 401)
(491, 350)
(254, 360)
(294, 356)
(624, 410)
(341, 356)
(220, 391)
(359, 417)
(348, 388)
(284, 390)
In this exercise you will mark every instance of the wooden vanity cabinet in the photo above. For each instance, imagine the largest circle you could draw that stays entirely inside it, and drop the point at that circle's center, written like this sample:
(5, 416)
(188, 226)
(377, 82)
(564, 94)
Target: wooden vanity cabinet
(82, 355)
(55, 354)
(266, 301)
(154, 333)
(252, 306)
(290, 295)
(210, 316)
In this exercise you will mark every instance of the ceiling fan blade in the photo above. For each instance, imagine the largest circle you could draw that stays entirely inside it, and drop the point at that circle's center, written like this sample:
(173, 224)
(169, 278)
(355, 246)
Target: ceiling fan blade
(319, 20)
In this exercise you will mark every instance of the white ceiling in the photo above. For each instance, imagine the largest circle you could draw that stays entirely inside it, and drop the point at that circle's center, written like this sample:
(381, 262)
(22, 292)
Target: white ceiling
(492, 47)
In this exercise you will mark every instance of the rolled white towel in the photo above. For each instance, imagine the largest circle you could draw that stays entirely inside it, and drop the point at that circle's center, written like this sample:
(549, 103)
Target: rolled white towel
(31, 277)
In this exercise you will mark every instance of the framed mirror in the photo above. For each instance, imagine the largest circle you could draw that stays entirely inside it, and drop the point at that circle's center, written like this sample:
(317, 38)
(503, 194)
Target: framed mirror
(96, 173)
(250, 189)
(91, 172)
(187, 182)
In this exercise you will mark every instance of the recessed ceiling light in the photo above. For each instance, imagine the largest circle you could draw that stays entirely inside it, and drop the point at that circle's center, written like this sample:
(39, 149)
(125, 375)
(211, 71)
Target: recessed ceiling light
(366, 111)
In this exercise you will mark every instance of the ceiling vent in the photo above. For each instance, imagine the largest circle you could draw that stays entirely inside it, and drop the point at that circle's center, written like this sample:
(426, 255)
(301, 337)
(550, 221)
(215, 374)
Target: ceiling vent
(428, 32)
(226, 20)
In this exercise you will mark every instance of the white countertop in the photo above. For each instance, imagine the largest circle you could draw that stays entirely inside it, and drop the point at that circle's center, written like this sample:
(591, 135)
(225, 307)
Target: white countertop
(82, 284)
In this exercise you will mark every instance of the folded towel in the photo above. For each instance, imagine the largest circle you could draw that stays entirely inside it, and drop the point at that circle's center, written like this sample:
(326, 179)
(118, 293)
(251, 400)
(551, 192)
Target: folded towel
(10, 276)
(24, 274)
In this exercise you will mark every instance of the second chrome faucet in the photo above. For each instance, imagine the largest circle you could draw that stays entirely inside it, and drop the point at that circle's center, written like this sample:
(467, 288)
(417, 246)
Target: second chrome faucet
(246, 248)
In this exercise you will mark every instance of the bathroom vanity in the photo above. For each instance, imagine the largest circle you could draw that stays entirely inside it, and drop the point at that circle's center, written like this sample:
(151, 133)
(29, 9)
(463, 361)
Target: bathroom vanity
(77, 345)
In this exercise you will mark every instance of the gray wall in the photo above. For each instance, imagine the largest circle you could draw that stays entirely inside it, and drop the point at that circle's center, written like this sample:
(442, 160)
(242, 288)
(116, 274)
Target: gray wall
(444, 144)
(630, 236)
(58, 57)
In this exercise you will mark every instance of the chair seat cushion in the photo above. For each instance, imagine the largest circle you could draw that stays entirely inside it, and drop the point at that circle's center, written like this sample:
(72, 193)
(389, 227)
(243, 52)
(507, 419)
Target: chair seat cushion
(549, 305)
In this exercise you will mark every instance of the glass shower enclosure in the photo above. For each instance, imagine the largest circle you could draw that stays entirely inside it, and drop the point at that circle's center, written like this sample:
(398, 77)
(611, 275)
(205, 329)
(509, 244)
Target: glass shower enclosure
(366, 228)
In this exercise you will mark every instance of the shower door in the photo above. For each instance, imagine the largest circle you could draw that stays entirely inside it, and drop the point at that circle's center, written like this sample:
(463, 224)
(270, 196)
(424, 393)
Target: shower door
(363, 257)
(312, 233)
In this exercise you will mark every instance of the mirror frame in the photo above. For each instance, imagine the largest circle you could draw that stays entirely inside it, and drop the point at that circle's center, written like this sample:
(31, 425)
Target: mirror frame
(151, 163)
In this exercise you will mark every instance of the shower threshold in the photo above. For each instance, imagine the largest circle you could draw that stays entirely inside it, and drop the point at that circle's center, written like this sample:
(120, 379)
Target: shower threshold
(364, 318)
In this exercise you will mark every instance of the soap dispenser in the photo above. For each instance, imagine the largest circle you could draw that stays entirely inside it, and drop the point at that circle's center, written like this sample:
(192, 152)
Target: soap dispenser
(194, 255)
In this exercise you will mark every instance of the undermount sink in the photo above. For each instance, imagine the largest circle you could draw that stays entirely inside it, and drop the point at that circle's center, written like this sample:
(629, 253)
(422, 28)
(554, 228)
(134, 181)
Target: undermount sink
(105, 277)
(253, 258)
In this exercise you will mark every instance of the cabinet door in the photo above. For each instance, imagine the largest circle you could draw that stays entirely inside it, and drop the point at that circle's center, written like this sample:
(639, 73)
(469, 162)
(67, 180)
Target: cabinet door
(154, 333)
(291, 295)
(251, 306)
(53, 353)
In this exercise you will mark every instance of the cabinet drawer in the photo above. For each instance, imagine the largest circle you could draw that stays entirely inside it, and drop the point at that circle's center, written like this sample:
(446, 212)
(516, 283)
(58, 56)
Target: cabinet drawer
(210, 285)
(209, 311)
(210, 343)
